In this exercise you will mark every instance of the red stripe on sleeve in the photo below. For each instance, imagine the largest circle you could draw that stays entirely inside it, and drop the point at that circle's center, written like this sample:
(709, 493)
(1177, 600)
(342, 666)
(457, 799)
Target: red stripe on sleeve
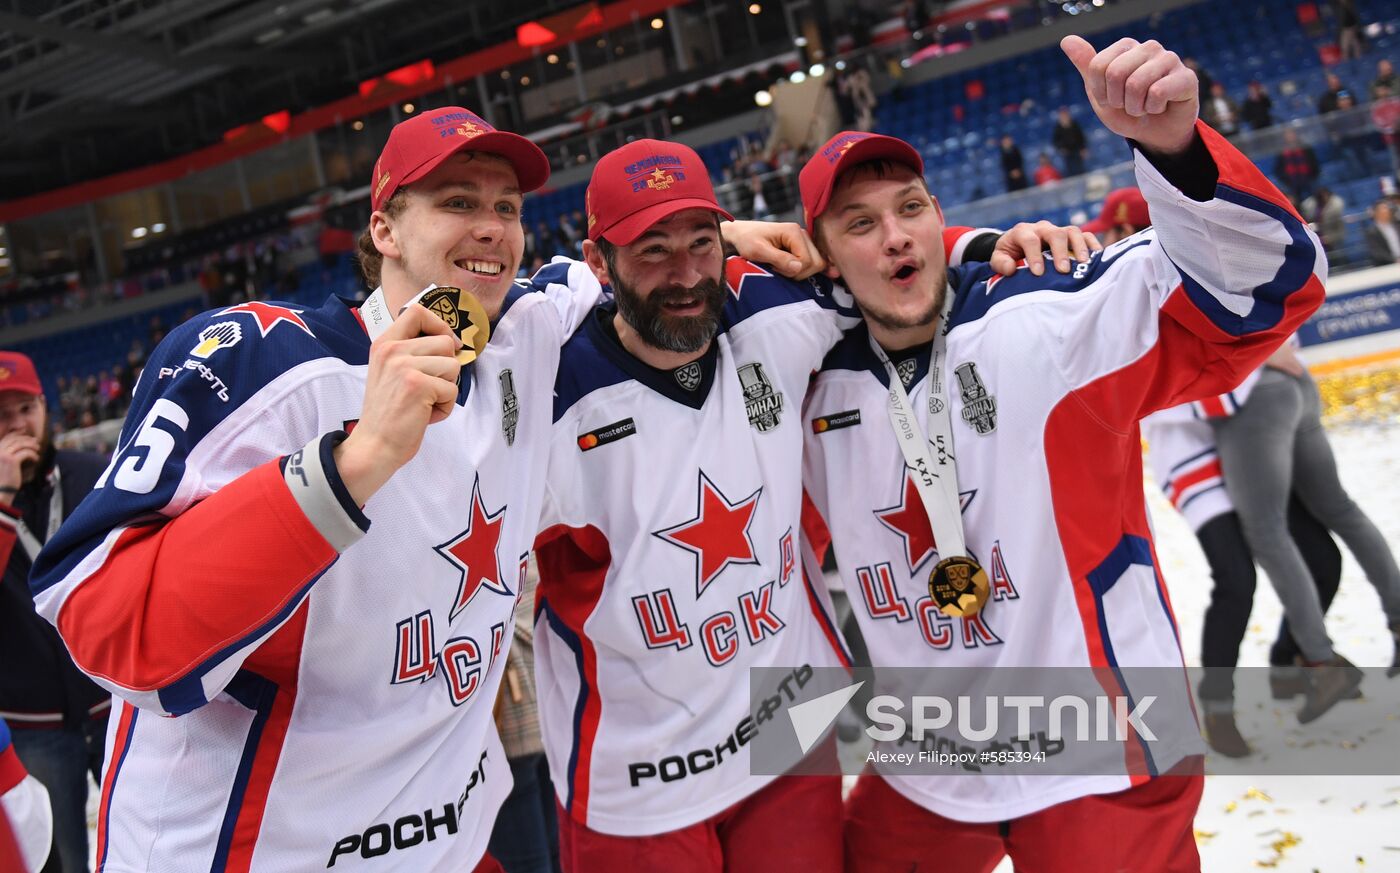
(170, 596)
(12, 771)
(278, 660)
(1239, 172)
(573, 564)
(951, 235)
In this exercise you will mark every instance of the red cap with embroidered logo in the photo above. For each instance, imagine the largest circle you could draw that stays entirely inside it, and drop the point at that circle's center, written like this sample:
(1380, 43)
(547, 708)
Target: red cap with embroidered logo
(1124, 206)
(417, 146)
(17, 373)
(643, 182)
(841, 152)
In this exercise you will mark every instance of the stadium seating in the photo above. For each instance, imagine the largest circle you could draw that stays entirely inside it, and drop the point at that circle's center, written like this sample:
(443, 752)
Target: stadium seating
(956, 121)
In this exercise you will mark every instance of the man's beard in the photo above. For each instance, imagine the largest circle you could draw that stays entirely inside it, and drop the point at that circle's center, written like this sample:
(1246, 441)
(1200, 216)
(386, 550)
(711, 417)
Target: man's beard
(672, 333)
(892, 321)
(29, 469)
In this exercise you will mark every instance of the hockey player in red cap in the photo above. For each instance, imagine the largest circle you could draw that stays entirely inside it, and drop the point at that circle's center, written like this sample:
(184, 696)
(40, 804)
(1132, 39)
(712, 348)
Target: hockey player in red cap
(1010, 532)
(298, 571)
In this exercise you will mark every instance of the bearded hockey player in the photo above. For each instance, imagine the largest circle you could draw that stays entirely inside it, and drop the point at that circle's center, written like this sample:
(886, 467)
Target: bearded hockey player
(1010, 530)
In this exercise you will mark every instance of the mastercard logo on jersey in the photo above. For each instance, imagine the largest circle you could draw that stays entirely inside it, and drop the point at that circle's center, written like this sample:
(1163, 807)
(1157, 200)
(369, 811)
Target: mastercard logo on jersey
(836, 421)
(609, 433)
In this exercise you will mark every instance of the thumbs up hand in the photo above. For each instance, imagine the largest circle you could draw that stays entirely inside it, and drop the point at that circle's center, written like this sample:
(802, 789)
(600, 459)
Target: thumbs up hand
(1140, 91)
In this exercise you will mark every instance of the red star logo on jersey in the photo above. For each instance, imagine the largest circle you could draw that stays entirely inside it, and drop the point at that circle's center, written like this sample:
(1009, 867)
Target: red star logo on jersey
(738, 269)
(910, 521)
(473, 552)
(718, 535)
(269, 316)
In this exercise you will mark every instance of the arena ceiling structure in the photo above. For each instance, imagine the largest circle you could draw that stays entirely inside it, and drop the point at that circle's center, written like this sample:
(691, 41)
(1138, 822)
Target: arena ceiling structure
(93, 87)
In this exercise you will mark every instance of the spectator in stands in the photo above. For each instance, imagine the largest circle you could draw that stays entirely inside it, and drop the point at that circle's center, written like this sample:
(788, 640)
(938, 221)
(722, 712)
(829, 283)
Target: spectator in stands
(1258, 107)
(1348, 28)
(1296, 167)
(759, 205)
(1220, 111)
(1070, 143)
(1046, 173)
(1353, 143)
(548, 246)
(1013, 166)
(1382, 236)
(1385, 117)
(569, 231)
(1325, 212)
(57, 716)
(1328, 101)
(1385, 78)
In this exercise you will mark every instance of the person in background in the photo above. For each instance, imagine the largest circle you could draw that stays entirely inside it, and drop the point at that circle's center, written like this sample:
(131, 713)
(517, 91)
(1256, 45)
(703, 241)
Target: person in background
(1382, 237)
(1069, 142)
(1013, 166)
(1385, 78)
(1325, 212)
(1328, 101)
(1258, 107)
(1348, 29)
(1045, 172)
(1220, 111)
(1181, 451)
(1296, 167)
(58, 717)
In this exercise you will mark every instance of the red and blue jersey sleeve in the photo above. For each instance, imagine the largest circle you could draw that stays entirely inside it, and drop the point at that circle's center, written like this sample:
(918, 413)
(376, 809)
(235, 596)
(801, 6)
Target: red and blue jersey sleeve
(1242, 272)
(1186, 309)
(208, 528)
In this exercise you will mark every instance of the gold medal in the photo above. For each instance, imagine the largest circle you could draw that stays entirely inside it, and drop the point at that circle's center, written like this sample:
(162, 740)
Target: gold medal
(959, 587)
(464, 315)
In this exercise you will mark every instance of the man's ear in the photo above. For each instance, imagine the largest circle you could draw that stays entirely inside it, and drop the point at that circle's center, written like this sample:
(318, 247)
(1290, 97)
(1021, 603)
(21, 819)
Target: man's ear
(381, 231)
(938, 208)
(815, 235)
(593, 257)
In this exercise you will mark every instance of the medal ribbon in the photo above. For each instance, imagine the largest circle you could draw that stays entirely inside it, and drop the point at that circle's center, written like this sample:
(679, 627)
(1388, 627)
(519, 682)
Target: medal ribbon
(935, 472)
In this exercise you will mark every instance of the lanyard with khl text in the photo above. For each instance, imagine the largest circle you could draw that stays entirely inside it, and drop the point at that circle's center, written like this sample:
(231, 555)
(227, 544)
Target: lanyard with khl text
(958, 584)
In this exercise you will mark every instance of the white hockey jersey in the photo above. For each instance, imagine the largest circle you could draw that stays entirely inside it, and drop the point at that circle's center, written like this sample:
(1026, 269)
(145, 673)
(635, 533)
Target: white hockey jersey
(1185, 465)
(1056, 371)
(668, 557)
(333, 680)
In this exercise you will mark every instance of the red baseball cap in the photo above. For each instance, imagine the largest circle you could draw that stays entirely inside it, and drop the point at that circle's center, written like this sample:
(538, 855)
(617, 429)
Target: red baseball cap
(643, 182)
(841, 152)
(1123, 206)
(417, 146)
(17, 373)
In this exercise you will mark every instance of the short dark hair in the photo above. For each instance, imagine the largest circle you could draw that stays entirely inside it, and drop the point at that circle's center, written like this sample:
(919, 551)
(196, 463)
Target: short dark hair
(370, 258)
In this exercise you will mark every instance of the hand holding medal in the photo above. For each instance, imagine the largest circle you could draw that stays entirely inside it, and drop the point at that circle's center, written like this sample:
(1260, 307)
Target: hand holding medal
(464, 316)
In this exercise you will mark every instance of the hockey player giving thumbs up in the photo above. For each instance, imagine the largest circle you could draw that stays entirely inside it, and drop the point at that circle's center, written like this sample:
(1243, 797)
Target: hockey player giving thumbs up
(1025, 393)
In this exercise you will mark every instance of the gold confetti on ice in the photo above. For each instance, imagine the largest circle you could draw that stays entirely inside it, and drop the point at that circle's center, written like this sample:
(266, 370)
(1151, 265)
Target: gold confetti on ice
(1279, 847)
(1203, 837)
(1230, 807)
(1253, 793)
(1361, 395)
